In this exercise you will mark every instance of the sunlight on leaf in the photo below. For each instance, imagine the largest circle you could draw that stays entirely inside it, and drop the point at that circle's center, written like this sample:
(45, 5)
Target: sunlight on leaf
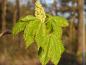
(46, 31)
(20, 26)
(30, 32)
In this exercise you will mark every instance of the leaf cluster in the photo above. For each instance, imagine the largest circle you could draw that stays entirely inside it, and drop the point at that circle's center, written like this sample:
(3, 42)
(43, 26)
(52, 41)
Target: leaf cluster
(46, 31)
(46, 34)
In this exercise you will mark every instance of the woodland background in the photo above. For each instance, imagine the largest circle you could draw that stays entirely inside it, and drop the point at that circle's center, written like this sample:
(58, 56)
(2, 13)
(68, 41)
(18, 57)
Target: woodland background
(12, 50)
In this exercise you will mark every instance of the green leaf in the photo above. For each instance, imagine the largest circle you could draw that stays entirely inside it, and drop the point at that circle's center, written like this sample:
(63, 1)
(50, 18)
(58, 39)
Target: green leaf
(49, 38)
(47, 35)
(56, 49)
(29, 18)
(40, 35)
(43, 56)
(60, 21)
(30, 32)
(20, 26)
(52, 27)
(46, 31)
(49, 25)
(52, 50)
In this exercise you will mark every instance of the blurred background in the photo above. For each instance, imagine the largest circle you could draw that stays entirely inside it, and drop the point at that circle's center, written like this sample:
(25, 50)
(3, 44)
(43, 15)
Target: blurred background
(12, 49)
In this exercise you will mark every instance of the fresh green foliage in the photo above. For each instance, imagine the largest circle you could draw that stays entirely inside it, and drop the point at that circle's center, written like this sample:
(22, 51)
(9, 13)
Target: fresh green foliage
(30, 32)
(19, 27)
(46, 32)
(21, 24)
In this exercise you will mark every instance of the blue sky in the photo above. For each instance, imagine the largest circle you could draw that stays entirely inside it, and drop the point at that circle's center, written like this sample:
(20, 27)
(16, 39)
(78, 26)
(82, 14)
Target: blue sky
(22, 1)
(49, 1)
(25, 1)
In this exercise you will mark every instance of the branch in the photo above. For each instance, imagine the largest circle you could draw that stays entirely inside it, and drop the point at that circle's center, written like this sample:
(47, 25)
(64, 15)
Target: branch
(5, 33)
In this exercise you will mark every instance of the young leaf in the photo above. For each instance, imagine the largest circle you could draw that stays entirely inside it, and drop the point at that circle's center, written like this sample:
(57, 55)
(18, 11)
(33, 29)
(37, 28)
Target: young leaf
(20, 26)
(43, 56)
(46, 31)
(30, 32)
(40, 35)
(60, 21)
(29, 18)
(52, 50)
(53, 27)
(56, 49)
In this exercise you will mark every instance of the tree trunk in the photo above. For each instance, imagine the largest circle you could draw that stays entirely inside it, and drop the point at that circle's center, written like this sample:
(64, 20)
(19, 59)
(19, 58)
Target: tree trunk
(18, 9)
(4, 3)
(14, 15)
(16, 12)
(71, 34)
(81, 35)
(33, 1)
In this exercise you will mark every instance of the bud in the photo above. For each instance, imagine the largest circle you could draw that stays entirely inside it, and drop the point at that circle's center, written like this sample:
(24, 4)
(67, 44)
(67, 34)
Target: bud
(39, 11)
